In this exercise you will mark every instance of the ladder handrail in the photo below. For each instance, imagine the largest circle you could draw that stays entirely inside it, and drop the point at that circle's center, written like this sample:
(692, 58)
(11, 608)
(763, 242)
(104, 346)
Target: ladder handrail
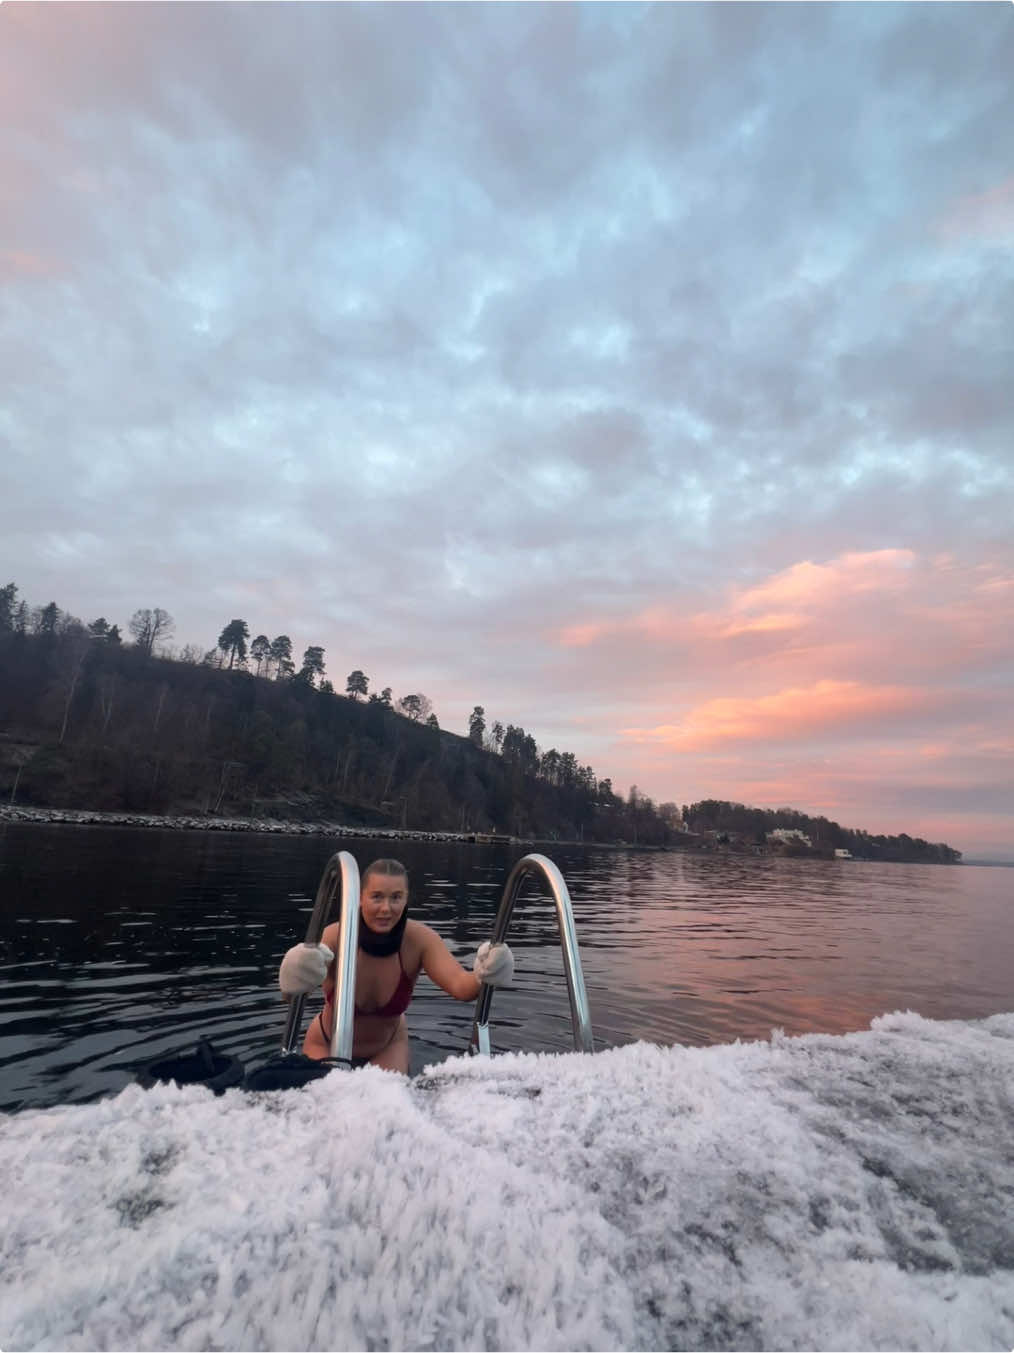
(579, 1012)
(340, 879)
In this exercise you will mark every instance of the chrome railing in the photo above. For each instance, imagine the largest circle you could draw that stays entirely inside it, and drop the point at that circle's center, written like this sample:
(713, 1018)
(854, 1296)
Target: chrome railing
(580, 1015)
(340, 881)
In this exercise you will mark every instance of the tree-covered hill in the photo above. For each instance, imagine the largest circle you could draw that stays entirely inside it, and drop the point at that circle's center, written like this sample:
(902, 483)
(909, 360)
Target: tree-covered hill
(87, 720)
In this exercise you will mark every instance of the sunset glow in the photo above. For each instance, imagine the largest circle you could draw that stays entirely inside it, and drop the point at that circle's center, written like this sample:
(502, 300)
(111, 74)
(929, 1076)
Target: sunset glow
(642, 374)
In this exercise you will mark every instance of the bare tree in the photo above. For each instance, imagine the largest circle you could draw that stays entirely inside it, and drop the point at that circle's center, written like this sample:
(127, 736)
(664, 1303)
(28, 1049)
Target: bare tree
(108, 688)
(163, 691)
(22, 756)
(148, 627)
(77, 650)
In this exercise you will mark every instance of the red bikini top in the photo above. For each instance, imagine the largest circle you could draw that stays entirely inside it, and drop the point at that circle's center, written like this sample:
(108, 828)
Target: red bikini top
(398, 1003)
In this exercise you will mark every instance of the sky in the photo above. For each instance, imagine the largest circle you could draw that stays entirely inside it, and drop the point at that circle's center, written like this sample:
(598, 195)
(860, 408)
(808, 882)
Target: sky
(643, 374)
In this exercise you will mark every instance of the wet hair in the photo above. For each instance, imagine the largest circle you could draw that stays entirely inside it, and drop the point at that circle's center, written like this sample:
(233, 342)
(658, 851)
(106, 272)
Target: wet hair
(392, 868)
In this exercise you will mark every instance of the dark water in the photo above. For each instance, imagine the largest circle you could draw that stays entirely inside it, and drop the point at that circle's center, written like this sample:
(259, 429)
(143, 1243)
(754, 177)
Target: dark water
(118, 946)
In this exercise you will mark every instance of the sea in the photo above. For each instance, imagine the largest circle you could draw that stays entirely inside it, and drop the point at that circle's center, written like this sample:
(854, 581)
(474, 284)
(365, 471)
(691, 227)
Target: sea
(119, 945)
(794, 1132)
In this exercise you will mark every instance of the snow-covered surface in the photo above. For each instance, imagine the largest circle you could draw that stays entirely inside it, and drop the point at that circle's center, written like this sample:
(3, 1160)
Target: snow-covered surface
(818, 1192)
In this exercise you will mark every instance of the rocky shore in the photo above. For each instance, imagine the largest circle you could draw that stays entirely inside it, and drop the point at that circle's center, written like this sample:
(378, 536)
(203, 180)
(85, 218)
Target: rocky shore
(83, 817)
(87, 817)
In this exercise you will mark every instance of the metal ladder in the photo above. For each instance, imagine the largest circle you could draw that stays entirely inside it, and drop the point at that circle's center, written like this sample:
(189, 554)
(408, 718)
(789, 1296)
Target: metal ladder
(340, 881)
(539, 866)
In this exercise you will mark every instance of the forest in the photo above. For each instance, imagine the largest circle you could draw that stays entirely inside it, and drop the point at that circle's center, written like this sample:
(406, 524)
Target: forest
(90, 719)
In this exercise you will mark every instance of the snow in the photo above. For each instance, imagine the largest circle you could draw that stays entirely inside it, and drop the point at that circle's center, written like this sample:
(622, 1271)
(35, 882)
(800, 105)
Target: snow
(818, 1192)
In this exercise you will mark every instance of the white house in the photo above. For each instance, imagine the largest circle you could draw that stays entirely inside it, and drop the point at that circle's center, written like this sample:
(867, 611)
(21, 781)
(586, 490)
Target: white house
(787, 834)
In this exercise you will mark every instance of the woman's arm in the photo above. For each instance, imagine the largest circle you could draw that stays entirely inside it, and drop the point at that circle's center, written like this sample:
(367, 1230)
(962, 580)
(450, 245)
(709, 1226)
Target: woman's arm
(442, 967)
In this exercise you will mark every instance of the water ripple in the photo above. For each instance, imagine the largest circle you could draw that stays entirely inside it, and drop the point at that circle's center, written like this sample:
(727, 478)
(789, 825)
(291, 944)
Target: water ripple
(154, 946)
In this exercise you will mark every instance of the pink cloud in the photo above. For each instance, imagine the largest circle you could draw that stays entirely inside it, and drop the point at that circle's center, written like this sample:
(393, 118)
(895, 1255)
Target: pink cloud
(786, 715)
(884, 617)
(16, 263)
(883, 788)
(820, 585)
(581, 636)
(873, 687)
(774, 622)
(787, 601)
(987, 215)
(660, 624)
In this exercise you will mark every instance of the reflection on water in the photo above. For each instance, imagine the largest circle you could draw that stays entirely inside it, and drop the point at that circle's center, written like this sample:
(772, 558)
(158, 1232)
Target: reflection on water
(117, 946)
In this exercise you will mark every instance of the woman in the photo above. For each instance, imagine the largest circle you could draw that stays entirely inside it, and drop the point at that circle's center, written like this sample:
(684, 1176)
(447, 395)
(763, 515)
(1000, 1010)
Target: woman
(392, 952)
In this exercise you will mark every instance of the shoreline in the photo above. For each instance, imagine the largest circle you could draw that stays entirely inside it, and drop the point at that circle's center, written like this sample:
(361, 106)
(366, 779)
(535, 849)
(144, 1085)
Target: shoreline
(266, 826)
(88, 817)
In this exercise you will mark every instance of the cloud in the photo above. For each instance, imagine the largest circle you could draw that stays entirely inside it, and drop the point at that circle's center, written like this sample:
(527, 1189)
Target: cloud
(592, 363)
(987, 215)
(773, 622)
(828, 708)
(861, 614)
(821, 585)
(25, 263)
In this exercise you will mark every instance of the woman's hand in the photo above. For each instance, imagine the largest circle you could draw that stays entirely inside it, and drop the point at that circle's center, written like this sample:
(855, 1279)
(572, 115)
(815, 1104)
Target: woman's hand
(494, 964)
(303, 968)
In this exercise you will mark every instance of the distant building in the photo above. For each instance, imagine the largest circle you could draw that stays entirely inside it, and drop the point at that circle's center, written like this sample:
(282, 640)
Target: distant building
(789, 834)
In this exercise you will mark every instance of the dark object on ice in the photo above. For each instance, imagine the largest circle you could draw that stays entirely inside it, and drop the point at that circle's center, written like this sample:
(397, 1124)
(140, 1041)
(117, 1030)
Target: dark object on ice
(204, 1066)
(292, 1070)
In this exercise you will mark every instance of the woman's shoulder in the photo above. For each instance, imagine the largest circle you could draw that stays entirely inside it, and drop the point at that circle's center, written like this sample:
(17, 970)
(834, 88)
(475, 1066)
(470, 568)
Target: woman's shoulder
(420, 937)
(419, 933)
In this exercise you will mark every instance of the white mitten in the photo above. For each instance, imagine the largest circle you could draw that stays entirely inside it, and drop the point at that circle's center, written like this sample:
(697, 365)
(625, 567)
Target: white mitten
(303, 968)
(494, 964)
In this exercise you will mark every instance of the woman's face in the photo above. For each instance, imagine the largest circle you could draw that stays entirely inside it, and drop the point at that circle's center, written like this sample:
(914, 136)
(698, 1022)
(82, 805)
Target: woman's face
(382, 900)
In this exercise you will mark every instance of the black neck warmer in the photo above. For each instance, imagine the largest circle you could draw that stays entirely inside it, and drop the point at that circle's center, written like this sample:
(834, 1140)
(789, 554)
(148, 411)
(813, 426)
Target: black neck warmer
(380, 945)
